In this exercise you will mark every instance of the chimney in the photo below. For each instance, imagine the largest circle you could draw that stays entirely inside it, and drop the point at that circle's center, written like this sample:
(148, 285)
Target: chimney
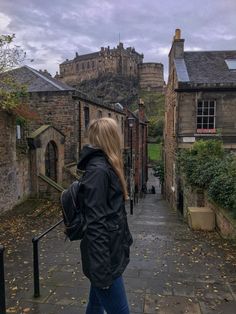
(141, 110)
(177, 34)
(177, 48)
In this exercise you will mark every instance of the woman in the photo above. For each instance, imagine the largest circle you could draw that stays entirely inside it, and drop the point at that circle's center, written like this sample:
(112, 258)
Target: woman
(106, 242)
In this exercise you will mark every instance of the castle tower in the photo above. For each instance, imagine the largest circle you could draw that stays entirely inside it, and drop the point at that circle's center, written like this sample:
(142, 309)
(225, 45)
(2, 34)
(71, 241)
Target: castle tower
(151, 76)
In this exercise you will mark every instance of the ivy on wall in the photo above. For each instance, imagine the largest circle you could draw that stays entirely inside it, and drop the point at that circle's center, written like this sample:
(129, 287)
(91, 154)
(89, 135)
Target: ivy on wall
(208, 166)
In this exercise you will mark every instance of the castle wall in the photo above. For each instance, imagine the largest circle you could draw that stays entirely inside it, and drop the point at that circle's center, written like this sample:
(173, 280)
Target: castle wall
(151, 76)
(86, 67)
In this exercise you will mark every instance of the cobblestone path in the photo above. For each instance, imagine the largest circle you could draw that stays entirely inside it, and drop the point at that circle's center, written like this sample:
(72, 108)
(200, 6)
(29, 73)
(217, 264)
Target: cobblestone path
(172, 270)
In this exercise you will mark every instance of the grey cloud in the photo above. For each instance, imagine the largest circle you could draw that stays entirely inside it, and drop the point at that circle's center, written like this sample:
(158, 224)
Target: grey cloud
(53, 30)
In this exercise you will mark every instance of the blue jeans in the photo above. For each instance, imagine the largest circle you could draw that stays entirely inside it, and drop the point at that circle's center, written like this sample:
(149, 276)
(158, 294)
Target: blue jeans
(112, 300)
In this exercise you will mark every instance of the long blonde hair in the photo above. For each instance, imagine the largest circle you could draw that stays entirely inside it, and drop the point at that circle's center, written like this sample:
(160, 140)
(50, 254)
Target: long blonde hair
(104, 134)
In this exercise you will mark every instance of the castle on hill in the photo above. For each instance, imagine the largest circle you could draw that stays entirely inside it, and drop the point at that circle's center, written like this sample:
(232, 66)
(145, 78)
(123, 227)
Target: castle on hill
(126, 62)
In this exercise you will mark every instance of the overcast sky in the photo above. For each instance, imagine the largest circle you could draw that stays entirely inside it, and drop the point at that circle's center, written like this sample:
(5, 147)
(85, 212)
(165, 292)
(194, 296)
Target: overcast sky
(52, 30)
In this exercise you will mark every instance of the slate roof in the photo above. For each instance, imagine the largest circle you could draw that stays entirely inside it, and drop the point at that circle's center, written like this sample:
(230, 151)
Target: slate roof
(87, 56)
(37, 81)
(206, 67)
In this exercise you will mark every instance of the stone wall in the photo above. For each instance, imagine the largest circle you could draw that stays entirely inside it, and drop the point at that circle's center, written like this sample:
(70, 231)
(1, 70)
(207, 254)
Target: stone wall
(66, 113)
(96, 112)
(170, 141)
(45, 191)
(23, 176)
(60, 110)
(225, 224)
(14, 167)
(192, 197)
(225, 116)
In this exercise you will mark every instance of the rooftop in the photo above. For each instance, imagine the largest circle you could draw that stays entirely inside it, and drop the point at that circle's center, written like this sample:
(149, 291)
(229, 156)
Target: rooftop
(36, 81)
(207, 67)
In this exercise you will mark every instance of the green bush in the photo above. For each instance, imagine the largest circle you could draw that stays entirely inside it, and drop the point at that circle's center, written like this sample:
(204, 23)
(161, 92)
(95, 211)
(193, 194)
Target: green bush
(208, 166)
(222, 190)
(155, 127)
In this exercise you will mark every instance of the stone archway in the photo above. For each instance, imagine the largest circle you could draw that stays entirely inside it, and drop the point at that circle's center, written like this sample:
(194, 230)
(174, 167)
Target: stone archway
(51, 159)
(46, 158)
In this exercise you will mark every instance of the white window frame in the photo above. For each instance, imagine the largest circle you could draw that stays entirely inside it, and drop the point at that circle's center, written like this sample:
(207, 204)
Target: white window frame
(206, 113)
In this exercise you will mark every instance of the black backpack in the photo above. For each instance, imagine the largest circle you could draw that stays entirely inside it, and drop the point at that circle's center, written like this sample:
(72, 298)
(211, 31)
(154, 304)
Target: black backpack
(72, 212)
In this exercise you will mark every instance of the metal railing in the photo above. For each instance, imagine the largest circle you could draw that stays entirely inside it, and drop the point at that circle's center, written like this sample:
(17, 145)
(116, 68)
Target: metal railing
(2, 282)
(35, 241)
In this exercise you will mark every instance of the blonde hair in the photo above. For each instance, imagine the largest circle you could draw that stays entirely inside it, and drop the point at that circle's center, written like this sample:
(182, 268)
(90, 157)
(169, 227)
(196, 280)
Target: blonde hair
(104, 134)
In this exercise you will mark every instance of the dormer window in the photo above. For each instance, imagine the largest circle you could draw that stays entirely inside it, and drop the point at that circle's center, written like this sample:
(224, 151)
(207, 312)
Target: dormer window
(231, 63)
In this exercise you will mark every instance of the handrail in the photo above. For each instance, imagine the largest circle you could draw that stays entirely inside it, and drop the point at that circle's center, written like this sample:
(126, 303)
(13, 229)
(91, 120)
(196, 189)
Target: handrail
(2, 282)
(35, 241)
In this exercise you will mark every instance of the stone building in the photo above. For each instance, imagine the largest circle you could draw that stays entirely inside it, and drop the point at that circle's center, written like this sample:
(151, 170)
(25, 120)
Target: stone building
(137, 134)
(85, 67)
(117, 61)
(50, 145)
(200, 104)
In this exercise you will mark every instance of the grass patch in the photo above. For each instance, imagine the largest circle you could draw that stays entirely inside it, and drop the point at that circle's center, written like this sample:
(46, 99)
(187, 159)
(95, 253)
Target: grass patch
(154, 151)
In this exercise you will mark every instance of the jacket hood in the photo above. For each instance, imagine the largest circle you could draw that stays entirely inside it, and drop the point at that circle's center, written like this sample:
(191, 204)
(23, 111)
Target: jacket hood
(88, 152)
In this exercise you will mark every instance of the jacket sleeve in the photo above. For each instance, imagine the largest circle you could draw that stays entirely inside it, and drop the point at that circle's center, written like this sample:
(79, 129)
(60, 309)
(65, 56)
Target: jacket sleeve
(96, 237)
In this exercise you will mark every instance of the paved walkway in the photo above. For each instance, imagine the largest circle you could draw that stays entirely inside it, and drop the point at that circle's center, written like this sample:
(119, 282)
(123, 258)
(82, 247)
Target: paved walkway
(172, 270)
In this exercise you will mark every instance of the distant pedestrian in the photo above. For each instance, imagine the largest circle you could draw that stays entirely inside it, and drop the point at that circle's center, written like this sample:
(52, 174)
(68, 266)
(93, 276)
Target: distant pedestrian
(105, 244)
(153, 190)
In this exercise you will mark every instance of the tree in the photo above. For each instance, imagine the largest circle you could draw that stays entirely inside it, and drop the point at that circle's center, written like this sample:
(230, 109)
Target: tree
(12, 94)
(10, 54)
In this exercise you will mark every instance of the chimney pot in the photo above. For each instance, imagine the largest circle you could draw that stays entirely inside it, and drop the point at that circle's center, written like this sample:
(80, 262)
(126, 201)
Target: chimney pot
(177, 33)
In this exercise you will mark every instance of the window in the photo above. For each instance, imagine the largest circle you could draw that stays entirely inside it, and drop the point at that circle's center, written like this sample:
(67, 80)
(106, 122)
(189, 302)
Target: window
(99, 115)
(231, 63)
(86, 117)
(206, 110)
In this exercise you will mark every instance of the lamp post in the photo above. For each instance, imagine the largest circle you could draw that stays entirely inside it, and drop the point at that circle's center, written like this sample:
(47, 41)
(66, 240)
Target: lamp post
(131, 179)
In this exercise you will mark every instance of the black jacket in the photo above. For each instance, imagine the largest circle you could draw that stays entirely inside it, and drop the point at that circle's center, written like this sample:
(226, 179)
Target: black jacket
(105, 245)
